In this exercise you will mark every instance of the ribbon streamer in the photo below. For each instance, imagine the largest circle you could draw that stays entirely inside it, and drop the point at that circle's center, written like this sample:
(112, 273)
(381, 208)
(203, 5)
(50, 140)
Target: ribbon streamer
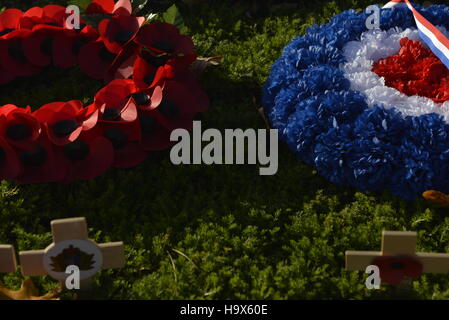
(433, 37)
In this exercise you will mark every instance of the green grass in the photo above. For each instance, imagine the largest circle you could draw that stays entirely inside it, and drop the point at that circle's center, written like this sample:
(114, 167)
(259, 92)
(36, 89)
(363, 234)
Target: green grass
(221, 232)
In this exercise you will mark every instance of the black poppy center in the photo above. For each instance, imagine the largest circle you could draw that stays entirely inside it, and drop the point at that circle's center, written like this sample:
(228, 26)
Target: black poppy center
(156, 61)
(6, 31)
(18, 131)
(168, 108)
(15, 50)
(76, 150)
(54, 24)
(147, 124)
(64, 127)
(117, 137)
(141, 98)
(33, 158)
(123, 36)
(397, 266)
(77, 44)
(47, 45)
(164, 46)
(106, 55)
(111, 114)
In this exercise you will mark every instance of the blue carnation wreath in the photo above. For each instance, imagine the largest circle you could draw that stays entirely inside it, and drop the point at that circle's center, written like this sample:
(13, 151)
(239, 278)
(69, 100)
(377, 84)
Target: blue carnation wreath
(330, 126)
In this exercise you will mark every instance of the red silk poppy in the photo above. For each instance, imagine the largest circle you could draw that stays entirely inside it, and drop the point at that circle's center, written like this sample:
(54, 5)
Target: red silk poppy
(95, 59)
(18, 126)
(9, 21)
(67, 45)
(89, 156)
(12, 56)
(50, 15)
(393, 269)
(117, 31)
(148, 76)
(64, 121)
(177, 108)
(122, 7)
(41, 163)
(162, 37)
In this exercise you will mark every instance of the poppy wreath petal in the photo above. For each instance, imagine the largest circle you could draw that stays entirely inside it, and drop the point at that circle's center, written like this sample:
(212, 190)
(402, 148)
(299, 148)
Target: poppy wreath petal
(20, 128)
(101, 6)
(61, 120)
(41, 163)
(39, 46)
(32, 17)
(94, 59)
(10, 166)
(115, 93)
(87, 157)
(125, 139)
(123, 7)
(12, 56)
(162, 37)
(177, 108)
(147, 76)
(154, 136)
(9, 20)
(117, 31)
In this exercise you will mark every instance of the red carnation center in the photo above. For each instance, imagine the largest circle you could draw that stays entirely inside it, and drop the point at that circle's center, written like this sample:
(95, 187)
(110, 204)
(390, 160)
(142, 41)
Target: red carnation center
(415, 71)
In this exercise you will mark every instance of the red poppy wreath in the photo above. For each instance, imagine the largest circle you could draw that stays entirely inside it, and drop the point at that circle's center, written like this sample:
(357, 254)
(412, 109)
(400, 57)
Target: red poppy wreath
(149, 91)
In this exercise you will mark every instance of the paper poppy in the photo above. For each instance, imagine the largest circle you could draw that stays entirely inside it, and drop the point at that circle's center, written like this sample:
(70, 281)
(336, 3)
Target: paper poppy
(12, 56)
(64, 121)
(394, 269)
(18, 126)
(40, 162)
(95, 59)
(178, 106)
(9, 21)
(87, 157)
(117, 31)
(122, 7)
(67, 46)
(164, 38)
(356, 126)
(48, 16)
(147, 76)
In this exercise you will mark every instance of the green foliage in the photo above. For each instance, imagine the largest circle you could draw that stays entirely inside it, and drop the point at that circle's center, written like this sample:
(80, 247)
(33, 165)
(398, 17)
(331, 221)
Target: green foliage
(173, 16)
(82, 4)
(221, 232)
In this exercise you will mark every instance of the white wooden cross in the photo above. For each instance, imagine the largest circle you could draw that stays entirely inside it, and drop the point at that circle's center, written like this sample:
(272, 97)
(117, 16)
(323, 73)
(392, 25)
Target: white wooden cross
(399, 243)
(7, 259)
(71, 234)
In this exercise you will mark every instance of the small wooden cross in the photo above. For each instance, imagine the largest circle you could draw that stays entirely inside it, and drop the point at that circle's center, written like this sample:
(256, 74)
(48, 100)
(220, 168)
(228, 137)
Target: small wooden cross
(398, 243)
(7, 259)
(72, 235)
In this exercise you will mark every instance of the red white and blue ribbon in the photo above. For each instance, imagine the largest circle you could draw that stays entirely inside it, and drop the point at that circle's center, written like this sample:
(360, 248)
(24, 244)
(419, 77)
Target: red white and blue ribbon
(436, 41)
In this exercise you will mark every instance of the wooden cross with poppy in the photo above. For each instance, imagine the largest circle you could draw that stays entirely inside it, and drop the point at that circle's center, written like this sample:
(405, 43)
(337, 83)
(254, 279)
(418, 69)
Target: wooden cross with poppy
(7, 259)
(72, 247)
(398, 258)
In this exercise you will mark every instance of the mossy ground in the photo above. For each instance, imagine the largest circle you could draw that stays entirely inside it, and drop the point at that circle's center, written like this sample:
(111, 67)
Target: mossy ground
(221, 232)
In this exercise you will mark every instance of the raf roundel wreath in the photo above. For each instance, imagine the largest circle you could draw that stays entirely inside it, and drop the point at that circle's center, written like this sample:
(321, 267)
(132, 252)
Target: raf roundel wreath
(367, 108)
(150, 91)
